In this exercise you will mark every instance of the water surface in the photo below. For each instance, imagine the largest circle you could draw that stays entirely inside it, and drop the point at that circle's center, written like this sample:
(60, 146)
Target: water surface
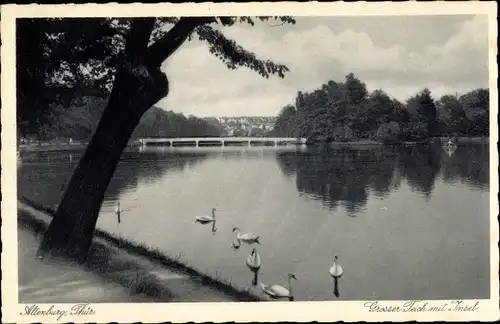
(406, 223)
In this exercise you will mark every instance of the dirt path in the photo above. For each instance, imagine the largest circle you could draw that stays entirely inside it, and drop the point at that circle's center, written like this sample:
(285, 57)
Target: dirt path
(44, 281)
(110, 275)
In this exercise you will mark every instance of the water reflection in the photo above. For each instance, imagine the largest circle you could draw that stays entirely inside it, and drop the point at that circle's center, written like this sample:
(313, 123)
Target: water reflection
(334, 176)
(467, 165)
(236, 244)
(336, 292)
(54, 170)
(420, 166)
(341, 176)
(347, 176)
(255, 278)
(118, 212)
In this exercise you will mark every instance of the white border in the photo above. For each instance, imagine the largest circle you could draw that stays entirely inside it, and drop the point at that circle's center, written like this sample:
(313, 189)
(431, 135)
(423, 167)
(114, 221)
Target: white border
(222, 312)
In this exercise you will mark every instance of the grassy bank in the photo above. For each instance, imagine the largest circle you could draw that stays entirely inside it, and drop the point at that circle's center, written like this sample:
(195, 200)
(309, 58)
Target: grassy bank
(49, 147)
(372, 143)
(359, 143)
(99, 260)
(464, 140)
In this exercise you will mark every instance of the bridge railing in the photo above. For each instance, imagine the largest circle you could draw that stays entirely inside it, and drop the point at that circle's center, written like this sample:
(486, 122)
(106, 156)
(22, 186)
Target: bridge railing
(222, 141)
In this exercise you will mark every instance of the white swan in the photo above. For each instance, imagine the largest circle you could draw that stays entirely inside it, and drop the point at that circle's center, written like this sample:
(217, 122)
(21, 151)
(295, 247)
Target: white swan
(206, 219)
(118, 210)
(336, 270)
(450, 144)
(253, 260)
(277, 291)
(246, 237)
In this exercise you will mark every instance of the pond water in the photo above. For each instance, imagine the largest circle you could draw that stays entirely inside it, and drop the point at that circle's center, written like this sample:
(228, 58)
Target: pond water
(406, 223)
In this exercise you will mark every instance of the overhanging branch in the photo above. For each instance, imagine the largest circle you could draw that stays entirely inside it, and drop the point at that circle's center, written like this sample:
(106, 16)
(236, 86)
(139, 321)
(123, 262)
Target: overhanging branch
(168, 44)
(233, 55)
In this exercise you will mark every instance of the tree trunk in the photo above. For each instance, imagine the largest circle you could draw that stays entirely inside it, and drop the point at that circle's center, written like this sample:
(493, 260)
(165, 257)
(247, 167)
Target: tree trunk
(70, 233)
(138, 85)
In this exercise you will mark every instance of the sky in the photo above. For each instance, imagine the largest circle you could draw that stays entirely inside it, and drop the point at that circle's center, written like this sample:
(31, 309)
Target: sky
(399, 54)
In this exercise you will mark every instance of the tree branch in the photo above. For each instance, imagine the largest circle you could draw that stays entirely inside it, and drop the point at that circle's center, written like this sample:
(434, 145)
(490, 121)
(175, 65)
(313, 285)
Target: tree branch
(138, 37)
(168, 44)
(233, 55)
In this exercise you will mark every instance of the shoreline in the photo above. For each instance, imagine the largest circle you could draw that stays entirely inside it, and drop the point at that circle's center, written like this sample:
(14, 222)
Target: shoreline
(47, 147)
(430, 140)
(141, 257)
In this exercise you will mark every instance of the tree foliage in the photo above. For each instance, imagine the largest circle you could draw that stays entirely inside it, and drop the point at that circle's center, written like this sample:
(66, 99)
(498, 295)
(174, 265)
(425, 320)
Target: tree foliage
(345, 111)
(158, 123)
(60, 59)
(79, 121)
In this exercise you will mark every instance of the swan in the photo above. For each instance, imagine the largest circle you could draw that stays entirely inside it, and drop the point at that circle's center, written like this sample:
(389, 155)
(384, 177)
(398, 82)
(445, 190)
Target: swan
(253, 260)
(277, 291)
(246, 237)
(336, 270)
(236, 244)
(118, 211)
(206, 219)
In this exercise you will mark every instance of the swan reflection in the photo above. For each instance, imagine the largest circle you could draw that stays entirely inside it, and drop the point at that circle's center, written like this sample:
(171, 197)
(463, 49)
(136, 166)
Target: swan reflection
(236, 244)
(336, 292)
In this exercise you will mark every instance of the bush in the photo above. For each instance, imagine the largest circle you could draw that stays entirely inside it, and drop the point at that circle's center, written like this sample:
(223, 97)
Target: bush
(389, 132)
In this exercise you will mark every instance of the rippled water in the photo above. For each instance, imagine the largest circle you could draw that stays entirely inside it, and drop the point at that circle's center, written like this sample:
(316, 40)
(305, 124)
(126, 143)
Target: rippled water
(406, 223)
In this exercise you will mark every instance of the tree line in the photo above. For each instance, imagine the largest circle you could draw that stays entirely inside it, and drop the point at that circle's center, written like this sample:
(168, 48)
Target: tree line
(346, 111)
(80, 119)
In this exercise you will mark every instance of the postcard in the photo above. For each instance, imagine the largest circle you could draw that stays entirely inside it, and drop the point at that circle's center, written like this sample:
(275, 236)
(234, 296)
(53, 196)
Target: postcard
(249, 162)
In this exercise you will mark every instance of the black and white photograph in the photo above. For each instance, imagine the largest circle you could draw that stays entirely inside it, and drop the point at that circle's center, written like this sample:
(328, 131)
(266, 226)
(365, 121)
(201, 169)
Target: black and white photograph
(156, 159)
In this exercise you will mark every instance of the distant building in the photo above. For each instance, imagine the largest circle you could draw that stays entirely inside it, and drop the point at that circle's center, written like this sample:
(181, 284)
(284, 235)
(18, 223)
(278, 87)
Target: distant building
(242, 125)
